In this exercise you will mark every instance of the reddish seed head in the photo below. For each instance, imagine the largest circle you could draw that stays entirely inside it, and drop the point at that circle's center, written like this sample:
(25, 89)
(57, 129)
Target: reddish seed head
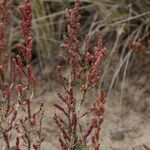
(33, 120)
(19, 61)
(27, 101)
(5, 136)
(17, 144)
(18, 72)
(26, 52)
(35, 146)
(5, 6)
(60, 78)
(17, 129)
(94, 122)
(6, 90)
(26, 14)
(74, 121)
(13, 67)
(26, 136)
(63, 147)
(30, 77)
(19, 88)
(29, 42)
(88, 131)
(99, 51)
(137, 46)
(2, 39)
(14, 115)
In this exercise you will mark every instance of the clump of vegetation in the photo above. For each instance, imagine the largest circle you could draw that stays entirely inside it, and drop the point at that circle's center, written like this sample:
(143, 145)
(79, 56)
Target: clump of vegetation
(20, 126)
(83, 63)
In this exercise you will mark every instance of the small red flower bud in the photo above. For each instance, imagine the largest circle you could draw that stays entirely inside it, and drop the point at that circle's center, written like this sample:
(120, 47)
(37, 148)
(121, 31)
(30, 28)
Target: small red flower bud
(35, 147)
(6, 90)
(19, 61)
(19, 88)
(17, 129)
(60, 78)
(17, 144)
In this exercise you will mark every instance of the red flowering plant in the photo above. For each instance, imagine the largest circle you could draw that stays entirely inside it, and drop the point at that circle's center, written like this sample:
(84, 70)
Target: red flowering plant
(7, 110)
(83, 64)
(17, 120)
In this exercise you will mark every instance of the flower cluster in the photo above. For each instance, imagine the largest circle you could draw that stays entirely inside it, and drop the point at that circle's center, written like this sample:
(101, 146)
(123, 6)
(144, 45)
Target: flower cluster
(98, 109)
(83, 64)
(2, 40)
(5, 6)
(99, 51)
(7, 110)
(22, 87)
(25, 83)
(140, 47)
(26, 15)
(71, 41)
